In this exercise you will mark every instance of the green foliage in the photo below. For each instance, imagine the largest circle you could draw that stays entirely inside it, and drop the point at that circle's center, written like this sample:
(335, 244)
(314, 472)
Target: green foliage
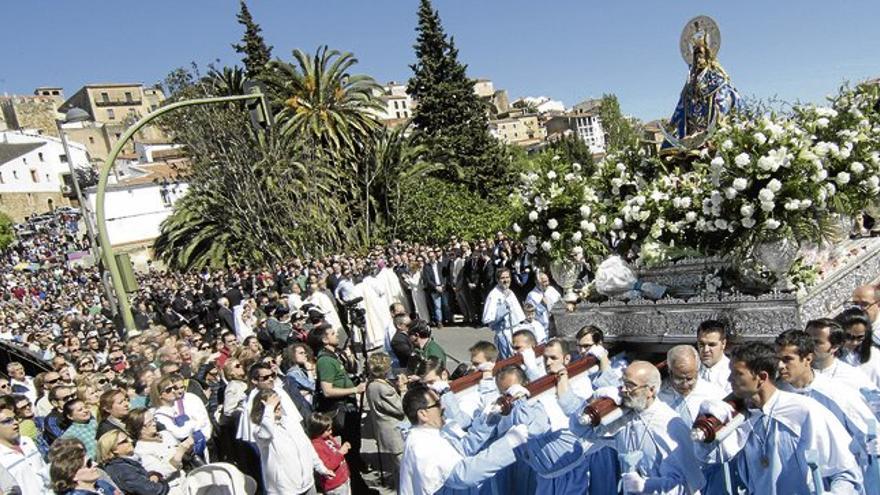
(620, 132)
(450, 118)
(7, 234)
(256, 53)
(325, 105)
(573, 150)
(432, 211)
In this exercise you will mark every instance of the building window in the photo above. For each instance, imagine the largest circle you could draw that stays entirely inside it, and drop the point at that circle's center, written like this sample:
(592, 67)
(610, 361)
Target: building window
(105, 97)
(34, 176)
(395, 105)
(63, 158)
(48, 179)
(24, 160)
(56, 92)
(111, 115)
(91, 140)
(128, 96)
(40, 156)
(15, 174)
(2, 180)
(403, 104)
(398, 115)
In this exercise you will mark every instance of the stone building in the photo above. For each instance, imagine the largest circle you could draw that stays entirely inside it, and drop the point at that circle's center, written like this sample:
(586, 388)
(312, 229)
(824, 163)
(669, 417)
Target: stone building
(521, 130)
(587, 126)
(33, 113)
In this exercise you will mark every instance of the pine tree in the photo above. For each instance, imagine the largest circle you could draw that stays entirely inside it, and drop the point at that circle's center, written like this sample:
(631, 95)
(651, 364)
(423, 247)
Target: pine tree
(449, 117)
(256, 53)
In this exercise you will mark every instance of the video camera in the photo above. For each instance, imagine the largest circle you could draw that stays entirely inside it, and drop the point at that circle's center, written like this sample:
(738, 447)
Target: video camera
(356, 316)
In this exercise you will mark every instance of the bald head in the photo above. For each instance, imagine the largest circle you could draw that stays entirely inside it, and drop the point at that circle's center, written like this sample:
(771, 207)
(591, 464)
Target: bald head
(865, 297)
(644, 373)
(683, 363)
(641, 381)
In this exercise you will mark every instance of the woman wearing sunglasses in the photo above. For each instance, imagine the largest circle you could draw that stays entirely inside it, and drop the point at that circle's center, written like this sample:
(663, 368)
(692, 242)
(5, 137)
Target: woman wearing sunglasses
(74, 473)
(116, 453)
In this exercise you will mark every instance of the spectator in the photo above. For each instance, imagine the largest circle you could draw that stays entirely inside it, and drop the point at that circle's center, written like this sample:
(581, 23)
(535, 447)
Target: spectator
(73, 472)
(332, 455)
(112, 409)
(423, 345)
(286, 455)
(116, 451)
(158, 451)
(19, 455)
(81, 425)
(386, 412)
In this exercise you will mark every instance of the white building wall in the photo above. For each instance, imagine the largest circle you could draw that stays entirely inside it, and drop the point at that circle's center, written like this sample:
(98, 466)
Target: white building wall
(45, 162)
(145, 151)
(135, 213)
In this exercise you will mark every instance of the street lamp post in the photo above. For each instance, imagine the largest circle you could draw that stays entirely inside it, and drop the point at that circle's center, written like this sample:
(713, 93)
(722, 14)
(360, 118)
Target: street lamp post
(103, 236)
(79, 115)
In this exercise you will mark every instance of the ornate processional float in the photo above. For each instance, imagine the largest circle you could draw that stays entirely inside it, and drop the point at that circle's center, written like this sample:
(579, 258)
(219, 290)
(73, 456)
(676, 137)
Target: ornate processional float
(752, 216)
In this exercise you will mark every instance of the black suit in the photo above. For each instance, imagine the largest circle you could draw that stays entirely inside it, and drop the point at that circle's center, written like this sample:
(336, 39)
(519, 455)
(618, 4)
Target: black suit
(227, 319)
(433, 283)
(402, 347)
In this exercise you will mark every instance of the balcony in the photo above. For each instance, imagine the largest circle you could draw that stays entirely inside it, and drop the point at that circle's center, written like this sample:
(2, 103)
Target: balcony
(118, 102)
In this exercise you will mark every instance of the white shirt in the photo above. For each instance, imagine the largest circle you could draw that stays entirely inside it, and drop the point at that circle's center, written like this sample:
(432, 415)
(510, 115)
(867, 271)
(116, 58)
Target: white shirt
(688, 407)
(286, 455)
(27, 467)
(847, 374)
(537, 296)
(775, 438)
(870, 368)
(497, 297)
(246, 428)
(718, 374)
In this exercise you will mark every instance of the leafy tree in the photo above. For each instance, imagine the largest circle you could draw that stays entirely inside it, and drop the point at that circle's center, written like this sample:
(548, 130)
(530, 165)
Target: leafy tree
(572, 149)
(256, 53)
(253, 197)
(324, 105)
(433, 211)
(7, 233)
(620, 131)
(450, 118)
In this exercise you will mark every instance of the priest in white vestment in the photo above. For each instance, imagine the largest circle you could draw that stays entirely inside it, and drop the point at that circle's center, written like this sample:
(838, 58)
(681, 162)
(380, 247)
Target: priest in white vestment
(502, 312)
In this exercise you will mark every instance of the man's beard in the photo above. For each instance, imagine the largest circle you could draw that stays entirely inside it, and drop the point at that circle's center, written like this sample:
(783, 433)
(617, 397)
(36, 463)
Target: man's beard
(637, 404)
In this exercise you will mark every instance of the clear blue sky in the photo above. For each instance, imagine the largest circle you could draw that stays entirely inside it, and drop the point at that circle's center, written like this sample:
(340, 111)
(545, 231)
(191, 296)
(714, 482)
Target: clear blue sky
(565, 49)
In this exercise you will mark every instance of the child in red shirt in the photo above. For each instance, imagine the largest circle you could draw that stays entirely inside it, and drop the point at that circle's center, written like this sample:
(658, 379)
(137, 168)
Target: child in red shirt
(331, 454)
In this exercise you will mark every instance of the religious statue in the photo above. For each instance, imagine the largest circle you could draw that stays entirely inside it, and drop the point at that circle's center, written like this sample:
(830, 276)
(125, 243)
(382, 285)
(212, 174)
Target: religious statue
(708, 93)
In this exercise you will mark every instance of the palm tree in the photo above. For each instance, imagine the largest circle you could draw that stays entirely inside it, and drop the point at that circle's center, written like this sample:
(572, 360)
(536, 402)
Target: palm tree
(323, 103)
(228, 81)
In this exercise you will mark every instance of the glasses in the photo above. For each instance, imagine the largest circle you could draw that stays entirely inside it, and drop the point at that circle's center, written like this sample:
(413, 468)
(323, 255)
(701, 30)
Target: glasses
(51, 382)
(855, 338)
(124, 441)
(631, 387)
(4, 385)
(102, 381)
(863, 304)
(117, 359)
(263, 378)
(86, 362)
(23, 406)
(171, 389)
(432, 406)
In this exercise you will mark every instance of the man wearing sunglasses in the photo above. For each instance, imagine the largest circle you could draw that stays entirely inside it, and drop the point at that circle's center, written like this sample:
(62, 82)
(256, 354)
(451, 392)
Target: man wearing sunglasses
(437, 461)
(20, 457)
(54, 423)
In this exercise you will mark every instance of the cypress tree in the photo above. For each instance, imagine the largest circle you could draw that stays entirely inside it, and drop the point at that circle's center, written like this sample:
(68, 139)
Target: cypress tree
(449, 117)
(256, 53)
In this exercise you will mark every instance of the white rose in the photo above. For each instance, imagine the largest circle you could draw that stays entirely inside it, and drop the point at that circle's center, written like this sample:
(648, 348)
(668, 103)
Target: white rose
(842, 178)
(584, 224)
(717, 162)
(617, 224)
(774, 185)
(747, 210)
(577, 250)
(768, 206)
(740, 184)
(742, 159)
(820, 175)
(821, 149)
(517, 228)
(721, 224)
(556, 236)
(690, 216)
(591, 227)
(577, 236)
(771, 224)
(551, 175)
(640, 200)
(768, 164)
(792, 205)
(730, 193)
(748, 222)
(552, 224)
(621, 167)
(686, 202)
(822, 122)
(576, 166)
(546, 246)
(857, 167)
(760, 138)
(727, 144)
(874, 181)
(806, 203)
(569, 177)
(585, 211)
(766, 195)
(533, 216)
(716, 198)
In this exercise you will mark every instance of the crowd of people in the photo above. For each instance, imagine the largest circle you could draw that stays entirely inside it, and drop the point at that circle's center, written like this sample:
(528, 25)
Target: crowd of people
(273, 373)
